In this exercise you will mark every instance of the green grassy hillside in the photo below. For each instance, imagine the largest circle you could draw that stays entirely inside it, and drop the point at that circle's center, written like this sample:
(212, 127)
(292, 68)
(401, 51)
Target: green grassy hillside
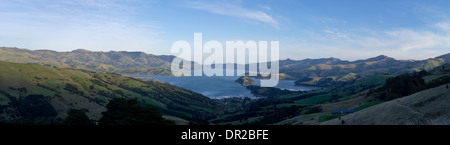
(27, 90)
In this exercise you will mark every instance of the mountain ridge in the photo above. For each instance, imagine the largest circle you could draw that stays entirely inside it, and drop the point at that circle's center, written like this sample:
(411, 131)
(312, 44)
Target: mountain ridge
(112, 61)
(323, 72)
(327, 72)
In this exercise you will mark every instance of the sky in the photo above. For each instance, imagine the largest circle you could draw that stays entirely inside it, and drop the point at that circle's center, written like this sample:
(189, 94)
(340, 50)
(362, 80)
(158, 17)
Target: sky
(345, 29)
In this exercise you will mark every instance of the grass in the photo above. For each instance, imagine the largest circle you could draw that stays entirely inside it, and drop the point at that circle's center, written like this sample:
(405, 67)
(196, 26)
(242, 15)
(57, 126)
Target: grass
(237, 122)
(329, 117)
(348, 77)
(240, 122)
(221, 117)
(367, 105)
(15, 57)
(316, 114)
(377, 80)
(253, 119)
(289, 105)
(201, 108)
(314, 99)
(344, 92)
(226, 116)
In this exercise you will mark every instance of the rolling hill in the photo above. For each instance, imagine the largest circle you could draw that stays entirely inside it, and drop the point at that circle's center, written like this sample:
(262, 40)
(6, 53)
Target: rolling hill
(113, 61)
(44, 94)
(408, 99)
(328, 72)
(324, 72)
(428, 107)
(42, 85)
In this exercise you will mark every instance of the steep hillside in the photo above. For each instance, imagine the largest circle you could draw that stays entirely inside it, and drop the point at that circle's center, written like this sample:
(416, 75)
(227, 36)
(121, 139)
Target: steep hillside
(45, 93)
(428, 107)
(421, 98)
(415, 98)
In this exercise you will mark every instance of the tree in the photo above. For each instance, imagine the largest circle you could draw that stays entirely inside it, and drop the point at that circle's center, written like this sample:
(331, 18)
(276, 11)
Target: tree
(123, 111)
(24, 121)
(403, 85)
(73, 89)
(77, 117)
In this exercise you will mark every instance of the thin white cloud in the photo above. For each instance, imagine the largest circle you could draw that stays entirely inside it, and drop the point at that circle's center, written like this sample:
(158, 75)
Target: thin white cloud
(334, 33)
(235, 10)
(266, 7)
(398, 43)
(100, 25)
(317, 50)
(445, 26)
(413, 39)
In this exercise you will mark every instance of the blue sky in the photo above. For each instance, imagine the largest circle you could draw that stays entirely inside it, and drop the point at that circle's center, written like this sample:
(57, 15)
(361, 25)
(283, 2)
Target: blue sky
(346, 29)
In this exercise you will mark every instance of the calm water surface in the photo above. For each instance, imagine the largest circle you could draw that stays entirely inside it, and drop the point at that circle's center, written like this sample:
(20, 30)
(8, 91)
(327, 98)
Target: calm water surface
(220, 87)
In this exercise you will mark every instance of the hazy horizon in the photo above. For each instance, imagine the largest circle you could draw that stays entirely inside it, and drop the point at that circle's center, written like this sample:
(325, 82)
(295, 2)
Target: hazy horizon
(237, 63)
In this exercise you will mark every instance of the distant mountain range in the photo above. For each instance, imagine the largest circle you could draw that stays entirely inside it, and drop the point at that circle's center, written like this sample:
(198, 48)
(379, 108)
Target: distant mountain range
(42, 85)
(113, 61)
(332, 71)
(324, 72)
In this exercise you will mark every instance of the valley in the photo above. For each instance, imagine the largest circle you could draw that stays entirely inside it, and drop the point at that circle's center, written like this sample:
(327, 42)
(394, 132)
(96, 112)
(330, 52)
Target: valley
(42, 86)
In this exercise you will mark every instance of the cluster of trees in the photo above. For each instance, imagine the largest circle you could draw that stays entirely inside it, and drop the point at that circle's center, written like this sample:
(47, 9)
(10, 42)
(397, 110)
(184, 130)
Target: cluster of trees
(269, 92)
(98, 82)
(21, 90)
(407, 84)
(33, 106)
(439, 82)
(73, 88)
(403, 85)
(77, 117)
(268, 110)
(278, 114)
(48, 88)
(120, 111)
